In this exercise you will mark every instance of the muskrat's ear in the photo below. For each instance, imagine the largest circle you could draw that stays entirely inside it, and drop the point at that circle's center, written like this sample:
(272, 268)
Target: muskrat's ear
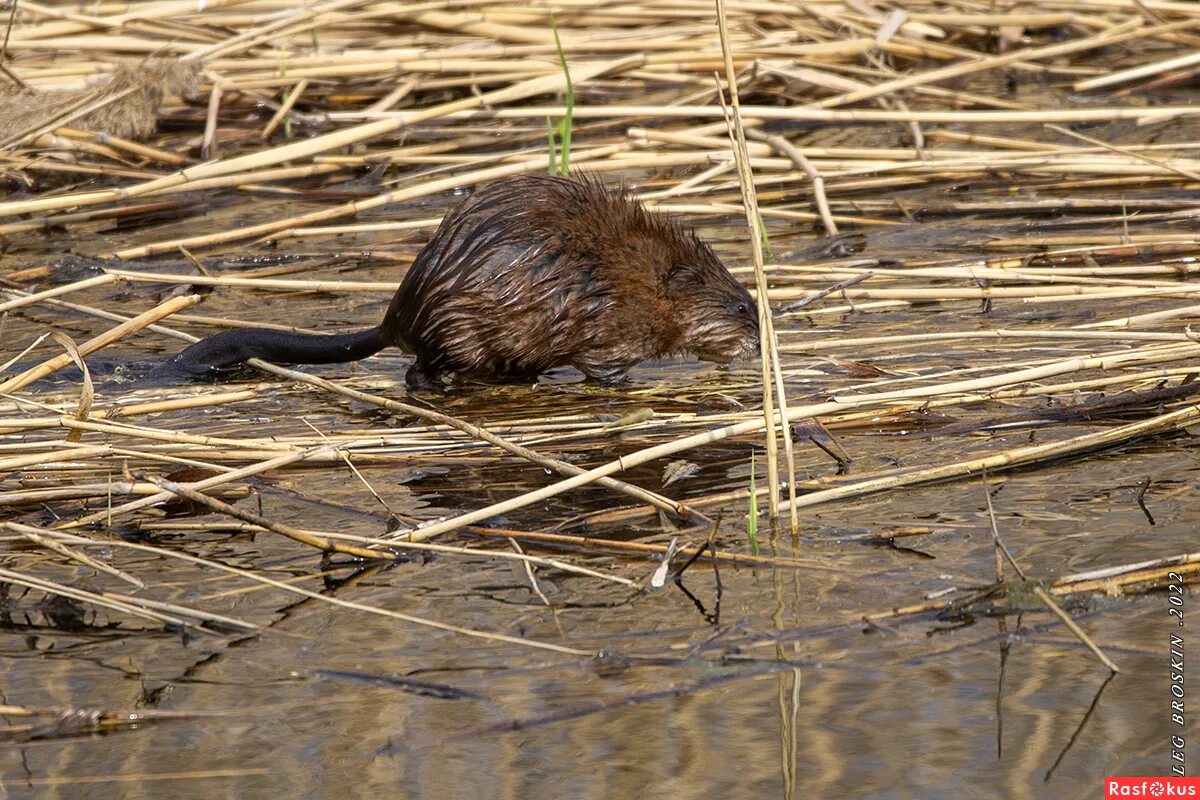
(683, 275)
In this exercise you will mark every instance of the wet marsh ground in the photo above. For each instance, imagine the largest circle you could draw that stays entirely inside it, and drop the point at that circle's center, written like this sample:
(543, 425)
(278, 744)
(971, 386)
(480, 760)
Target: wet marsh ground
(689, 704)
(868, 655)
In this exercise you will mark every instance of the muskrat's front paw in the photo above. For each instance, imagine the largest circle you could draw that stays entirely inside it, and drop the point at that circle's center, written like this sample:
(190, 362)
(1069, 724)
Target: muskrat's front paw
(418, 380)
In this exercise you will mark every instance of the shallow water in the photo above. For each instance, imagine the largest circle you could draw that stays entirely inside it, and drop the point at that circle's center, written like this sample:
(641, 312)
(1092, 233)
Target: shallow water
(790, 693)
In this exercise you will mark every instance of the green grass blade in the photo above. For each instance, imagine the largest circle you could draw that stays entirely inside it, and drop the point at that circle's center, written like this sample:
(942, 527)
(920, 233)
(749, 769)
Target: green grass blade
(550, 145)
(566, 123)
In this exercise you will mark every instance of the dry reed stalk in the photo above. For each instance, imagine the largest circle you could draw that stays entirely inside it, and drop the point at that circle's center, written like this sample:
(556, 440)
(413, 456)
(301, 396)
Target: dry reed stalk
(428, 223)
(285, 586)
(208, 142)
(254, 283)
(767, 342)
(98, 313)
(146, 455)
(176, 404)
(82, 558)
(303, 537)
(94, 491)
(1073, 626)
(103, 340)
(792, 114)
(310, 147)
(153, 434)
(1064, 293)
(1136, 73)
(348, 209)
(109, 514)
(476, 432)
(87, 391)
(1142, 319)
(123, 145)
(1111, 580)
(58, 291)
(842, 403)
(285, 108)
(66, 451)
(139, 607)
(132, 210)
(818, 182)
(621, 546)
(853, 344)
(1011, 459)
(857, 274)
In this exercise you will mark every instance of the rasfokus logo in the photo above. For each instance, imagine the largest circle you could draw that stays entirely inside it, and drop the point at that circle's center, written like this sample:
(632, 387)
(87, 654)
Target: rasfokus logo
(1163, 786)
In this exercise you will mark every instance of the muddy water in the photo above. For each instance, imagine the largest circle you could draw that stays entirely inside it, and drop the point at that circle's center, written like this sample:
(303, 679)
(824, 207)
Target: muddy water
(787, 693)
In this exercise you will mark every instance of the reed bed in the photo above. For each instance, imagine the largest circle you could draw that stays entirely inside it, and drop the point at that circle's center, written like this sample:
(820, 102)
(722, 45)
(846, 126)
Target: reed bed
(337, 131)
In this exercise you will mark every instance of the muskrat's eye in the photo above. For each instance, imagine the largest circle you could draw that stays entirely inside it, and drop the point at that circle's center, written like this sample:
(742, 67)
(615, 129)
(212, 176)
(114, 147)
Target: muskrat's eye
(742, 308)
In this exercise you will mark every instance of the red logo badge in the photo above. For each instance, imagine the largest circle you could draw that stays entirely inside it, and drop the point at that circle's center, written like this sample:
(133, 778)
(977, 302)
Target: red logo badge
(1163, 786)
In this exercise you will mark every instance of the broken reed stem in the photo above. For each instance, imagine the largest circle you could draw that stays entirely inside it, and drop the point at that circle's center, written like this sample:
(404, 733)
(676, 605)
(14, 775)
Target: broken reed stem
(285, 108)
(1073, 626)
(818, 183)
(208, 142)
(1041, 594)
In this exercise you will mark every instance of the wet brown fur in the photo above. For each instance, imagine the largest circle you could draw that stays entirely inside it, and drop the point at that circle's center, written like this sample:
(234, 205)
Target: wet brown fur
(532, 273)
(537, 272)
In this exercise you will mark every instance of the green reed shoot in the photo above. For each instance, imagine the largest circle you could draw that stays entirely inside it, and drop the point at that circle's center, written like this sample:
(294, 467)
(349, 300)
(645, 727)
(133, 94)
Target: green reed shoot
(766, 241)
(563, 129)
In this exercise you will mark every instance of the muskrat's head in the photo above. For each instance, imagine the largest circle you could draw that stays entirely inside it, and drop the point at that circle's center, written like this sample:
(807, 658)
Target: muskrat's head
(719, 317)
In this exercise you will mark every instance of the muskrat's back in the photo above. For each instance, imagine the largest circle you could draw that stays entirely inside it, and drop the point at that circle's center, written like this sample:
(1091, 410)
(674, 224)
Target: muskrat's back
(533, 273)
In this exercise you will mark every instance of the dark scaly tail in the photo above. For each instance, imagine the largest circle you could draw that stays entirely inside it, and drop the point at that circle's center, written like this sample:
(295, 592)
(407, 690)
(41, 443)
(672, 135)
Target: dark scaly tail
(230, 348)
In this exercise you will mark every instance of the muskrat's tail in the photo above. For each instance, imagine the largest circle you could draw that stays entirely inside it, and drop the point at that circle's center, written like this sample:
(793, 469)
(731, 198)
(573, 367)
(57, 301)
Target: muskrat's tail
(230, 348)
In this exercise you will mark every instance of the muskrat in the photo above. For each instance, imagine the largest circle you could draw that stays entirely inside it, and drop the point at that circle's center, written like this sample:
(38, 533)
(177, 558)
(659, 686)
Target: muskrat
(531, 273)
